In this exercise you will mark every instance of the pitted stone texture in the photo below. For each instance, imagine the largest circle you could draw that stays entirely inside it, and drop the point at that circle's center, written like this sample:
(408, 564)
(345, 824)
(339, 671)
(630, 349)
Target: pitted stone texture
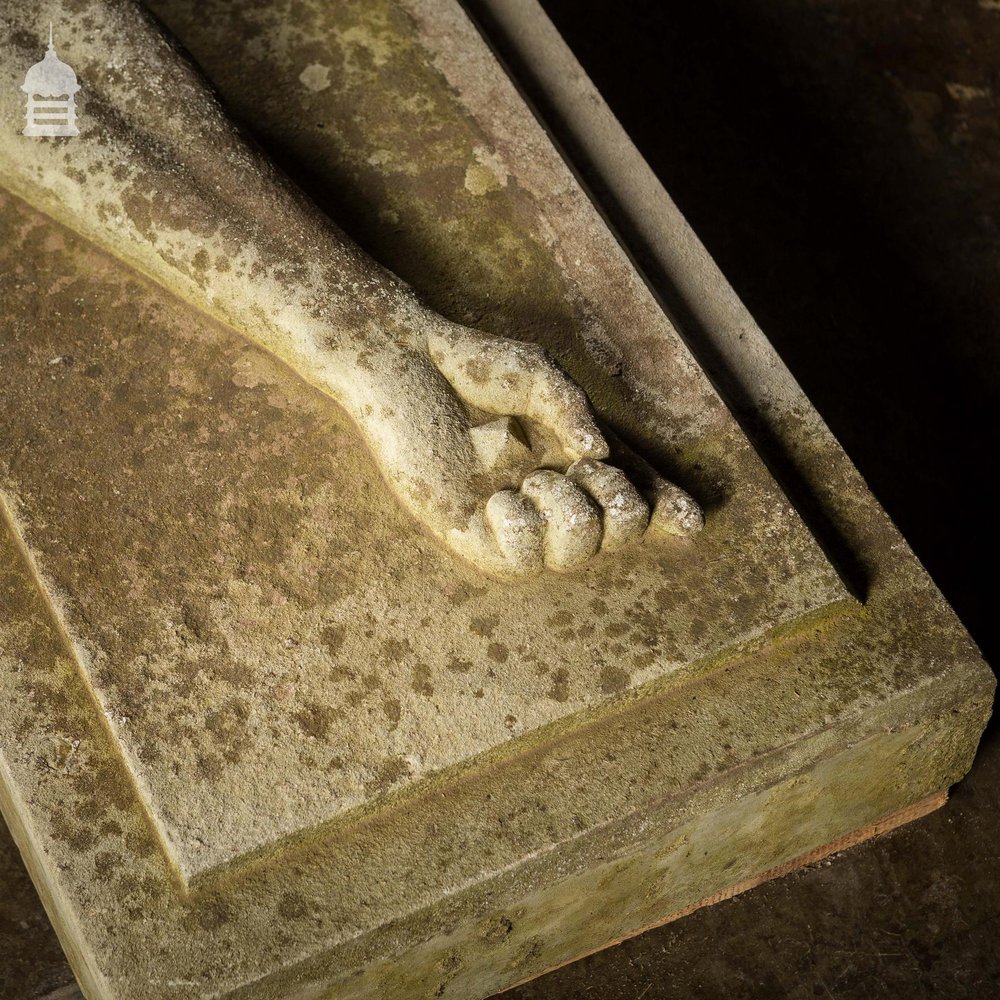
(271, 639)
(274, 643)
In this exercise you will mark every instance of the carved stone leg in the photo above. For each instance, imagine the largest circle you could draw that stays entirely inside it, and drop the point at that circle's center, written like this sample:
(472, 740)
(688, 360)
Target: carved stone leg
(161, 178)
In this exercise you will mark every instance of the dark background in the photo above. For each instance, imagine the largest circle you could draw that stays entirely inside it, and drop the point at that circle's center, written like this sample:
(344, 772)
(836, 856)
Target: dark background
(841, 161)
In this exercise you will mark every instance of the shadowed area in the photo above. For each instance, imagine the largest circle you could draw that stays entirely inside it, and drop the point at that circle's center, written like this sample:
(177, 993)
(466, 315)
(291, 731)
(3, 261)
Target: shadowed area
(31, 961)
(839, 161)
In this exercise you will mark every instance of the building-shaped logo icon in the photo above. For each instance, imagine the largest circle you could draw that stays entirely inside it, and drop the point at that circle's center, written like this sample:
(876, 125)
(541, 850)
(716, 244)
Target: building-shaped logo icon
(50, 86)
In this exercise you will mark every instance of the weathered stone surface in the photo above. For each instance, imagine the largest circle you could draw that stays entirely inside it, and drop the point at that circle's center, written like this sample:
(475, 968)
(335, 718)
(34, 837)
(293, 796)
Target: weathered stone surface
(241, 639)
(252, 609)
(162, 179)
(248, 603)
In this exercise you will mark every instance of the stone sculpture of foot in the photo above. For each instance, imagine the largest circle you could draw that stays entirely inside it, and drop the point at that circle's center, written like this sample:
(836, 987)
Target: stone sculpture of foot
(484, 440)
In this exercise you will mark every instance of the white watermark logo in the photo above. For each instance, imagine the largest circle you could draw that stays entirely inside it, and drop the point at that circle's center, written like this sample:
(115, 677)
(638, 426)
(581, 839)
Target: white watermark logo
(51, 86)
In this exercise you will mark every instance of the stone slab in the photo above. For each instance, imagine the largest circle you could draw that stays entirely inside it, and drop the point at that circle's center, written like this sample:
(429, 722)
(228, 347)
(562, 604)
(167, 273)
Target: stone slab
(456, 884)
(253, 611)
(908, 814)
(32, 966)
(249, 604)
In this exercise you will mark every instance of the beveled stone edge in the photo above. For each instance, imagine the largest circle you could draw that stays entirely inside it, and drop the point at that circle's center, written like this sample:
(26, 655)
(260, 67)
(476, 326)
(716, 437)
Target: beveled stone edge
(777, 771)
(877, 828)
(574, 724)
(10, 525)
(12, 813)
(773, 411)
